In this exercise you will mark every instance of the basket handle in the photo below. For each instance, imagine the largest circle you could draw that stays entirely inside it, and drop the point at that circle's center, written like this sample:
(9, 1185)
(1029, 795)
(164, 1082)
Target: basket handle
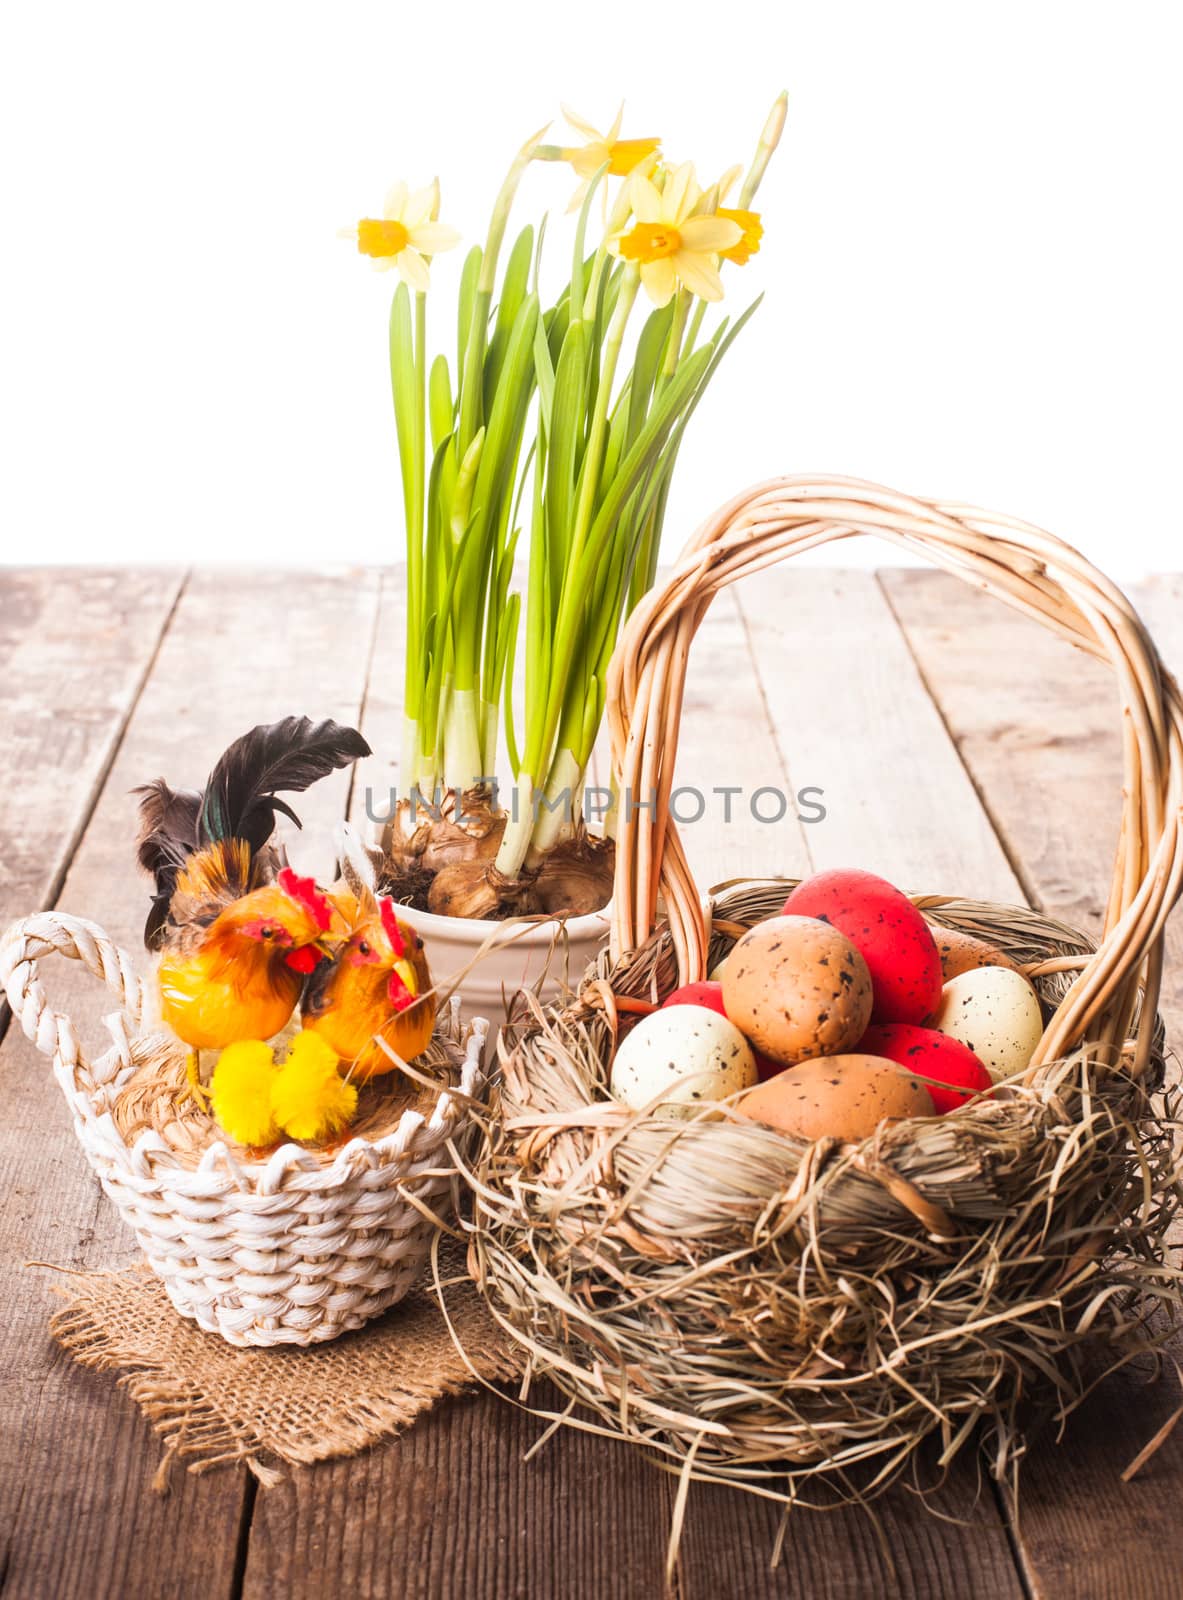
(22, 948)
(1030, 570)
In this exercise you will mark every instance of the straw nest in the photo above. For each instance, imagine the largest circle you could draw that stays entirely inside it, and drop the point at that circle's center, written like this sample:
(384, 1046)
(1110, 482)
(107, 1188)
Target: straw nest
(767, 1310)
(156, 1098)
(757, 1309)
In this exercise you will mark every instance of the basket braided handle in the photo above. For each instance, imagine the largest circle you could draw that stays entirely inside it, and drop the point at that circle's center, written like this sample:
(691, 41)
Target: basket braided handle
(1030, 570)
(52, 932)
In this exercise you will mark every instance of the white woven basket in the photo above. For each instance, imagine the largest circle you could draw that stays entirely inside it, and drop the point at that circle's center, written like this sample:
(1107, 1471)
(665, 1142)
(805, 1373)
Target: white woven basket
(295, 1248)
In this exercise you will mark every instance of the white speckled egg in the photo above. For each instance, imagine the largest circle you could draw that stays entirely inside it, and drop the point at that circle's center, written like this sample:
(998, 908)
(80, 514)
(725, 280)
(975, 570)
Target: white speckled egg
(994, 1011)
(695, 1054)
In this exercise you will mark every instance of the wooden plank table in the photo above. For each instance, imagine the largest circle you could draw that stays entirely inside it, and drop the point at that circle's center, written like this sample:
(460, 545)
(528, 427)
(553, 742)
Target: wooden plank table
(968, 751)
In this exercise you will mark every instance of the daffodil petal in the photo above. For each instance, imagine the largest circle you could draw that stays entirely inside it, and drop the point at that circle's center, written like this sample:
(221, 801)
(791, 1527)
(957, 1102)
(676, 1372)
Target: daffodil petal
(710, 234)
(578, 197)
(727, 181)
(419, 206)
(645, 198)
(396, 201)
(588, 159)
(659, 280)
(697, 273)
(349, 233)
(613, 133)
(580, 126)
(413, 270)
(433, 237)
(679, 194)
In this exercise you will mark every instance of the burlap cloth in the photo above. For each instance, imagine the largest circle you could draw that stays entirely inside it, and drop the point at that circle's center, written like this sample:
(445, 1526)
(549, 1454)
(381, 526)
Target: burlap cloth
(213, 1404)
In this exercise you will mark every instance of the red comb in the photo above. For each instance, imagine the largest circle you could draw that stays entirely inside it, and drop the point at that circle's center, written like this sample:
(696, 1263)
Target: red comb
(393, 932)
(305, 893)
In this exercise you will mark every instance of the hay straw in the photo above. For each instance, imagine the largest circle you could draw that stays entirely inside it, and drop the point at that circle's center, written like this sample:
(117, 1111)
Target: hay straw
(753, 1309)
(765, 1311)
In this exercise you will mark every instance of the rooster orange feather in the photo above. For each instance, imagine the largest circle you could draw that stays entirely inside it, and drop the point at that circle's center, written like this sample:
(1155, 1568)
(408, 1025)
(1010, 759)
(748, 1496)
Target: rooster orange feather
(237, 930)
(377, 989)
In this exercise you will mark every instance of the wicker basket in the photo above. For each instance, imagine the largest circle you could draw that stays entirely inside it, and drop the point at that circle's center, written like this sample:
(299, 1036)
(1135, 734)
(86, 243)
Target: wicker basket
(762, 1310)
(294, 1248)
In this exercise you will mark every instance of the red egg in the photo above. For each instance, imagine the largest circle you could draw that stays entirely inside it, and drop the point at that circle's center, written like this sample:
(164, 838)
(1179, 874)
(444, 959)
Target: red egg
(887, 931)
(705, 994)
(710, 995)
(949, 1070)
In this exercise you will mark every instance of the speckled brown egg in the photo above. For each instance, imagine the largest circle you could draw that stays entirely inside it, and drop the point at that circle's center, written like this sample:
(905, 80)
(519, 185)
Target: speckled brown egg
(842, 1097)
(797, 988)
(963, 952)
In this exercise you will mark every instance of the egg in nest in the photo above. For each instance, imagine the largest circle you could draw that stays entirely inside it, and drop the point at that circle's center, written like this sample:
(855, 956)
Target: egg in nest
(687, 1055)
(798, 988)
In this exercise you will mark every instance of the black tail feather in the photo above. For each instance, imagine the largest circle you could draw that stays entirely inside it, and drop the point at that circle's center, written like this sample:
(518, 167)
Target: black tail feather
(240, 795)
(168, 836)
(240, 800)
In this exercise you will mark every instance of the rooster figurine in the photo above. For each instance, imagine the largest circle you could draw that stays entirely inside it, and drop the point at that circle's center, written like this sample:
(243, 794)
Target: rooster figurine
(373, 1003)
(236, 929)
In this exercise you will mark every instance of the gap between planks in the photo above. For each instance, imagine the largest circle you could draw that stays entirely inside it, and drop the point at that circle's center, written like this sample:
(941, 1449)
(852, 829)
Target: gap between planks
(58, 869)
(755, 841)
(78, 1440)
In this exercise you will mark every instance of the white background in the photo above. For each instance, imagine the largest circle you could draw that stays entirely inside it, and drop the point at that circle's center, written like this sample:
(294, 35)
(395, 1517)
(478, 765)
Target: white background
(972, 257)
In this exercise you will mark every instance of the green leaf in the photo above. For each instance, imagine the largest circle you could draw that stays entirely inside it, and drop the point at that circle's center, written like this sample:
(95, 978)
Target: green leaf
(466, 480)
(650, 347)
(648, 443)
(556, 322)
(493, 489)
(439, 401)
(507, 666)
(514, 288)
(468, 281)
(536, 275)
(578, 262)
(564, 444)
(507, 414)
(506, 624)
(402, 383)
(544, 377)
(539, 615)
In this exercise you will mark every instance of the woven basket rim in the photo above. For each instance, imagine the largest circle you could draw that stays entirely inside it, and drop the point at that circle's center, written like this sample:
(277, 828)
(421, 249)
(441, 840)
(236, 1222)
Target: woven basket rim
(1028, 569)
(550, 1285)
(221, 1171)
(651, 1286)
(637, 974)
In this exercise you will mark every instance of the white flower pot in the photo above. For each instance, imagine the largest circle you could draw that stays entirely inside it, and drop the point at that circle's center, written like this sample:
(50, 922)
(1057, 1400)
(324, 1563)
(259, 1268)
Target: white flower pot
(557, 951)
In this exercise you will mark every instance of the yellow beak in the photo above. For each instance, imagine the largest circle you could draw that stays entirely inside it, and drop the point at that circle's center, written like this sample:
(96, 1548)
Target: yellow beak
(406, 972)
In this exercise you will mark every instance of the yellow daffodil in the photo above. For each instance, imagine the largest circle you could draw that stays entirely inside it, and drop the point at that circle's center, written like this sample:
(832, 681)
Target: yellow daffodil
(727, 182)
(670, 244)
(711, 203)
(749, 241)
(621, 155)
(405, 233)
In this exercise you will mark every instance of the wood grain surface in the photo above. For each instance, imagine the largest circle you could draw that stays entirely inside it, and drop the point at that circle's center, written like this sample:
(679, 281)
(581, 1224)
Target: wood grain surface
(957, 747)
(1037, 723)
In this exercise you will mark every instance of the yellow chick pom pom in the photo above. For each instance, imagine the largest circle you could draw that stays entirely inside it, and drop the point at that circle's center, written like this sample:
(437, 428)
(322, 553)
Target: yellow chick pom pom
(241, 1089)
(309, 1098)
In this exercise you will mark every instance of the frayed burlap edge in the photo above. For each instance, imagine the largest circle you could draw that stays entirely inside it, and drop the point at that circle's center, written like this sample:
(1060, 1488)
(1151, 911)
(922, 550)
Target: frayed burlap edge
(214, 1405)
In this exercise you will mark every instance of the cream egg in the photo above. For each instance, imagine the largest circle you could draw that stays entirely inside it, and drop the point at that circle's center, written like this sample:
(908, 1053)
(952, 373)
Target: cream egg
(688, 1055)
(994, 1011)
